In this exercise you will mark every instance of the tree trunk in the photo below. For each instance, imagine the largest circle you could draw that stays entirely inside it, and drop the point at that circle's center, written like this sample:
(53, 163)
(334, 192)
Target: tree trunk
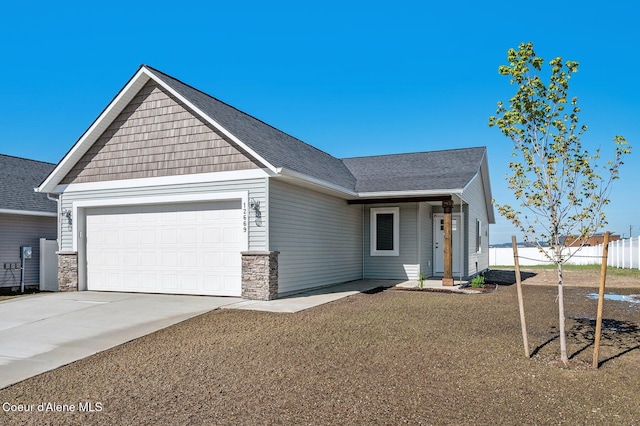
(563, 335)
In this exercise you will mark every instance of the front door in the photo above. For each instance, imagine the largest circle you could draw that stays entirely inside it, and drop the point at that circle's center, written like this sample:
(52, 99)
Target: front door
(438, 244)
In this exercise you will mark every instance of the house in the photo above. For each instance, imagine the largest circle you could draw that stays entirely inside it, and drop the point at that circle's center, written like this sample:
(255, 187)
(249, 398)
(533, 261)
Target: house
(25, 217)
(173, 191)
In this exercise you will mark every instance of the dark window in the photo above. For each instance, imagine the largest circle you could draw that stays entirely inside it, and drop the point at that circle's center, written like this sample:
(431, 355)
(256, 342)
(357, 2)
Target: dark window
(384, 231)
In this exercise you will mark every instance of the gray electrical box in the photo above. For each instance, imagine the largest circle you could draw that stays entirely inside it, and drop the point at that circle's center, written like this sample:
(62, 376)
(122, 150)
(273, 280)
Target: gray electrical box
(25, 252)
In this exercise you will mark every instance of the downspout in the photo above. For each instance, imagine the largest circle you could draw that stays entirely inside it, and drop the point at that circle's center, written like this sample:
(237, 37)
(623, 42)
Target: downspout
(58, 221)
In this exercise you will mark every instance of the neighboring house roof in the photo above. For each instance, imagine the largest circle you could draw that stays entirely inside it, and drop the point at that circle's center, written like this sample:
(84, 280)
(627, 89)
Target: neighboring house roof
(445, 172)
(18, 178)
(421, 171)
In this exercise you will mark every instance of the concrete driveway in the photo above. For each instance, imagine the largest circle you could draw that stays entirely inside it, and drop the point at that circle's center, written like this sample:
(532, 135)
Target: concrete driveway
(45, 331)
(41, 332)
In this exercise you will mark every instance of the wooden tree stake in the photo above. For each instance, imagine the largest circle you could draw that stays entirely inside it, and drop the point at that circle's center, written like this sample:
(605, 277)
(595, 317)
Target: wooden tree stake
(603, 279)
(523, 322)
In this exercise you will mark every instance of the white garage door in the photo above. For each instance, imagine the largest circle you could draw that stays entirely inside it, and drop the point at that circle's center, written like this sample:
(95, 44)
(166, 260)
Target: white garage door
(178, 248)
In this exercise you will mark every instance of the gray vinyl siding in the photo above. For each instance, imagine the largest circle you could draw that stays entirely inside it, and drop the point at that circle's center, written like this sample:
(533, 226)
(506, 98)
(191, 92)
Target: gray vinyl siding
(255, 187)
(394, 267)
(156, 135)
(17, 231)
(476, 209)
(426, 239)
(319, 237)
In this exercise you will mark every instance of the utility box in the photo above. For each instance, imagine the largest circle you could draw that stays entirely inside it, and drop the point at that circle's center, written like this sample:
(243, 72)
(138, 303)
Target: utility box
(25, 252)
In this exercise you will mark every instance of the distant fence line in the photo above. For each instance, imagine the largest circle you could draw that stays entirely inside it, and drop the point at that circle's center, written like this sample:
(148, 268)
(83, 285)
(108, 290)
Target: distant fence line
(622, 254)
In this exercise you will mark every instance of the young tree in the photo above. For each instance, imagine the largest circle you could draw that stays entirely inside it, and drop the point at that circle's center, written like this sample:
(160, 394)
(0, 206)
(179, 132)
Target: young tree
(553, 176)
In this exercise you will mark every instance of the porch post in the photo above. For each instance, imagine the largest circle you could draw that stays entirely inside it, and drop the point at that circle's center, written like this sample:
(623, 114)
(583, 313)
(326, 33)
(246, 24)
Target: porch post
(447, 279)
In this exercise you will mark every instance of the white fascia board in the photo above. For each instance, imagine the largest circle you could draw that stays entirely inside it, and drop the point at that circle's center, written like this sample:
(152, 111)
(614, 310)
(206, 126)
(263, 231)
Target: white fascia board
(471, 181)
(165, 180)
(214, 123)
(243, 196)
(283, 171)
(103, 121)
(28, 213)
(486, 182)
(417, 193)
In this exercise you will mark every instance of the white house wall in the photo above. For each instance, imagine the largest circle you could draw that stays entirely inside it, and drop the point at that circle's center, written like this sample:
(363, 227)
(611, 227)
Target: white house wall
(426, 239)
(476, 209)
(319, 237)
(404, 266)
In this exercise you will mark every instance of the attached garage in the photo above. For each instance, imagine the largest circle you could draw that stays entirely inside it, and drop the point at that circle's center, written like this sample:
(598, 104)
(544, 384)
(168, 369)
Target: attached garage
(180, 248)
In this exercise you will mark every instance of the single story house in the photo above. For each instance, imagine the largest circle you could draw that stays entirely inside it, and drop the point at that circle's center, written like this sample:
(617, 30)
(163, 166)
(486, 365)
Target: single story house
(25, 217)
(173, 191)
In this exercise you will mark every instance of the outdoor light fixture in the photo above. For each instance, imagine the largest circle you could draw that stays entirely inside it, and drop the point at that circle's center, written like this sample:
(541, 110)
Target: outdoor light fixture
(67, 213)
(255, 205)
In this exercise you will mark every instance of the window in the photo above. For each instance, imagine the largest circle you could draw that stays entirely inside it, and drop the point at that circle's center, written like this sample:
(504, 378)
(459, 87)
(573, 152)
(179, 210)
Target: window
(385, 231)
(478, 236)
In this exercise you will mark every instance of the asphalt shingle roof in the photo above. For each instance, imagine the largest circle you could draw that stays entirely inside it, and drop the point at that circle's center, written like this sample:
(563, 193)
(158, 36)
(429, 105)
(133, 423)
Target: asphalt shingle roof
(428, 171)
(18, 177)
(275, 146)
(436, 170)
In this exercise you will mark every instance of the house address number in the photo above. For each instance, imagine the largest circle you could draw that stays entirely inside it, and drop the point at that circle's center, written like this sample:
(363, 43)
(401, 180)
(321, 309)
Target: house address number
(244, 217)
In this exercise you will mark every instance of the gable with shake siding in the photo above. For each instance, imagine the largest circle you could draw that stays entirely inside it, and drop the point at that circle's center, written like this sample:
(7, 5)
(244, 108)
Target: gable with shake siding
(155, 135)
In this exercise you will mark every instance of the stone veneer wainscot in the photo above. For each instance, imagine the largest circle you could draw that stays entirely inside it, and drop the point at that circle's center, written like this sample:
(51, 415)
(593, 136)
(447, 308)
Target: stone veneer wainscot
(260, 275)
(67, 271)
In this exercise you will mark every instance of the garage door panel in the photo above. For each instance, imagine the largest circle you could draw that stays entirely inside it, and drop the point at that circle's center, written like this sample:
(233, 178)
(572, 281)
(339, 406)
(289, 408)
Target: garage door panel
(170, 282)
(148, 258)
(188, 236)
(189, 259)
(211, 235)
(130, 259)
(169, 236)
(184, 248)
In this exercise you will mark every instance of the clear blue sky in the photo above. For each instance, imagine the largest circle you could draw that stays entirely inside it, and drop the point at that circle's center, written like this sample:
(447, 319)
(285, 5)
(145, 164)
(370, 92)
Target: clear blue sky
(352, 78)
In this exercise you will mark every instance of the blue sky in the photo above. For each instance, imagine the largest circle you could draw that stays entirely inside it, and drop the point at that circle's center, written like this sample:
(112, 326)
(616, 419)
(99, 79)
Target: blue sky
(352, 78)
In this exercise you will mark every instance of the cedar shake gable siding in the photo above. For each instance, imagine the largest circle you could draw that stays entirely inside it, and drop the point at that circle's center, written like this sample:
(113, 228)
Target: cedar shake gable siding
(155, 135)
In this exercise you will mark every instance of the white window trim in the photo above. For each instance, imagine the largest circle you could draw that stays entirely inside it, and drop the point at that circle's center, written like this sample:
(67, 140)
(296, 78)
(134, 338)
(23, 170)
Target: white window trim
(396, 231)
(478, 236)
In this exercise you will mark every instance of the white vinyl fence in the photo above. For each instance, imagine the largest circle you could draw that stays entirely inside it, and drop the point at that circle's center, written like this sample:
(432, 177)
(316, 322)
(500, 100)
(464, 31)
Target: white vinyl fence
(622, 254)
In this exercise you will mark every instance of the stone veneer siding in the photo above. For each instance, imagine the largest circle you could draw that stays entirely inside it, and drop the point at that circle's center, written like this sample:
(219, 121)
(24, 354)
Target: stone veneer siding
(67, 271)
(260, 275)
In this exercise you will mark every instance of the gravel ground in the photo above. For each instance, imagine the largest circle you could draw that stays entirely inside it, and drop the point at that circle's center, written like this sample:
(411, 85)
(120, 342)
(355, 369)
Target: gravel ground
(384, 358)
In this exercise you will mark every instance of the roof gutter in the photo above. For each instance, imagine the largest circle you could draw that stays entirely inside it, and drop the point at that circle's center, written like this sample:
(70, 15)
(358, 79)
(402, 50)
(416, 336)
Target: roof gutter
(417, 193)
(28, 213)
(286, 172)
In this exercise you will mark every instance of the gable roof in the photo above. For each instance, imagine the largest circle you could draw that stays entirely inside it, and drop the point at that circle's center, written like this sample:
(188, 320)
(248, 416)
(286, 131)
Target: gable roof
(445, 172)
(448, 170)
(18, 177)
(276, 147)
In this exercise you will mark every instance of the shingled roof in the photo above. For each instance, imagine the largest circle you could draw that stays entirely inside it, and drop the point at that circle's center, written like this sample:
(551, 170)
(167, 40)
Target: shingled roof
(18, 177)
(286, 155)
(438, 170)
(421, 171)
(275, 146)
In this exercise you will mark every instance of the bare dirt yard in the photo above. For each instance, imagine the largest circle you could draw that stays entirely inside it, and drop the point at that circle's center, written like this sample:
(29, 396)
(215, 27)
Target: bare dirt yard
(389, 357)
